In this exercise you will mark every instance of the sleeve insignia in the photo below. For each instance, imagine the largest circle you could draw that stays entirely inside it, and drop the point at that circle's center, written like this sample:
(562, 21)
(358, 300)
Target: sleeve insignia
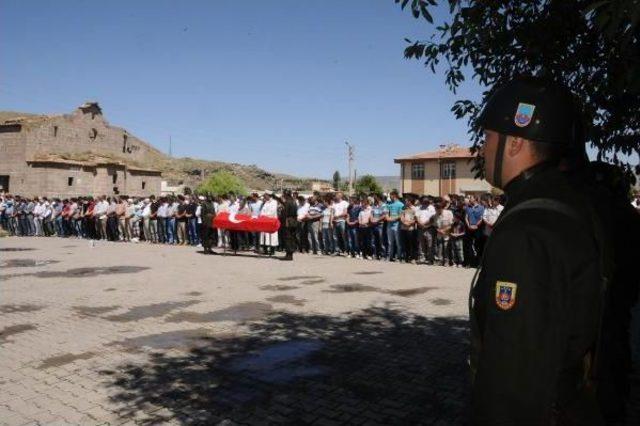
(505, 295)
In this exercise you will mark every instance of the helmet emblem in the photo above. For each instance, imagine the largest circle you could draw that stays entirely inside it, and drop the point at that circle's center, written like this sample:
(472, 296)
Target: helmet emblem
(524, 114)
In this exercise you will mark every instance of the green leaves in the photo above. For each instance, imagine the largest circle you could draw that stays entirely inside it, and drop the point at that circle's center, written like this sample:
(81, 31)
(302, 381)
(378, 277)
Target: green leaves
(591, 46)
(222, 182)
(367, 184)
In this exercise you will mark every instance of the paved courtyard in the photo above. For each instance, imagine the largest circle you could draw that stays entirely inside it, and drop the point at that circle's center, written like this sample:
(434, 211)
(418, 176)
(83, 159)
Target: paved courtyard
(126, 334)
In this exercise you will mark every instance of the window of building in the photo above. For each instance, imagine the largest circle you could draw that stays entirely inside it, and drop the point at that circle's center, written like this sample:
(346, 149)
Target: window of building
(448, 170)
(10, 128)
(417, 171)
(55, 131)
(114, 177)
(69, 181)
(93, 134)
(144, 184)
(124, 143)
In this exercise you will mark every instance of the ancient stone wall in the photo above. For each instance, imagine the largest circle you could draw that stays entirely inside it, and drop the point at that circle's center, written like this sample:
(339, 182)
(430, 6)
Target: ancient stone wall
(82, 132)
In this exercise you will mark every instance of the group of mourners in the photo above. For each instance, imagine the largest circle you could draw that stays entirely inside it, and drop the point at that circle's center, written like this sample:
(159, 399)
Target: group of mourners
(449, 230)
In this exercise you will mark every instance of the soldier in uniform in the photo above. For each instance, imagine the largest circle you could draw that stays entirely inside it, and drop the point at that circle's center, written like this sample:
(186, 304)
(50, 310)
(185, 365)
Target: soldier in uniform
(289, 221)
(536, 300)
(207, 213)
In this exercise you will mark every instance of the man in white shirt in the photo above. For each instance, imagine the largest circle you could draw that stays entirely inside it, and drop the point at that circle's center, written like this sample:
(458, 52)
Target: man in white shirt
(269, 242)
(426, 230)
(340, 208)
(303, 225)
(491, 214)
(163, 211)
(38, 217)
(150, 236)
(100, 213)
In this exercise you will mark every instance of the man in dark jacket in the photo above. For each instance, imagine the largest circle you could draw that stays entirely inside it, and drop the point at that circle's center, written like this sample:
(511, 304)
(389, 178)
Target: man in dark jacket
(207, 213)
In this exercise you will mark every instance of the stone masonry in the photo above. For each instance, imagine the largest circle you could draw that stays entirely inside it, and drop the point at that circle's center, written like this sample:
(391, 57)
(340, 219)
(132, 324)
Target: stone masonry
(74, 155)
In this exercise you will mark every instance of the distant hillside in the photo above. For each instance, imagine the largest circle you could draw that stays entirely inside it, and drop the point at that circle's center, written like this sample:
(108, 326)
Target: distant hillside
(190, 172)
(388, 182)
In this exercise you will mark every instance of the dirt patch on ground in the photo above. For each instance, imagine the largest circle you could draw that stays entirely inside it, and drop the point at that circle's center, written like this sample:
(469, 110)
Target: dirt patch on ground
(179, 339)
(12, 330)
(13, 309)
(278, 287)
(194, 293)
(60, 360)
(155, 310)
(299, 277)
(25, 263)
(368, 272)
(287, 298)
(109, 289)
(408, 292)
(351, 288)
(248, 311)
(313, 282)
(12, 249)
(92, 311)
(441, 302)
(82, 272)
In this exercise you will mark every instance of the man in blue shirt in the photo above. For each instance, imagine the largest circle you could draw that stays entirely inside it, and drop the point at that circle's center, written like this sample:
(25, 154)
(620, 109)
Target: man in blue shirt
(394, 208)
(473, 236)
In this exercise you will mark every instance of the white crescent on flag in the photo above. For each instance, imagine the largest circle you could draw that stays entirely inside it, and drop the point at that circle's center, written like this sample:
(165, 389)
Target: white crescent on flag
(232, 218)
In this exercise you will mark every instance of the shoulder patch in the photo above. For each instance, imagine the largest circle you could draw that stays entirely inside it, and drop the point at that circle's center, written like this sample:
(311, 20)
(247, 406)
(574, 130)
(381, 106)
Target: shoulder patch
(505, 295)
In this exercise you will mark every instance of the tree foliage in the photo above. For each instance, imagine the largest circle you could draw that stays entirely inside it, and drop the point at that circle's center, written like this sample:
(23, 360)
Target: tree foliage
(591, 46)
(222, 182)
(336, 180)
(367, 184)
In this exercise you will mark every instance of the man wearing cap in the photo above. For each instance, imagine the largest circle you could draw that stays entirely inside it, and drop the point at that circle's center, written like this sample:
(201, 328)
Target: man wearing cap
(535, 305)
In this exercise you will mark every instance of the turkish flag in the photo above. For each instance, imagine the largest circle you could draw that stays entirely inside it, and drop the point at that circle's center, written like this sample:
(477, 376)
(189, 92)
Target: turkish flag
(243, 222)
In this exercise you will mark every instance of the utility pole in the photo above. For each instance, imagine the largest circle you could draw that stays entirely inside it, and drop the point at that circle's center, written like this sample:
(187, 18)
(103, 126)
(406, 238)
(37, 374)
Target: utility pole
(170, 146)
(351, 153)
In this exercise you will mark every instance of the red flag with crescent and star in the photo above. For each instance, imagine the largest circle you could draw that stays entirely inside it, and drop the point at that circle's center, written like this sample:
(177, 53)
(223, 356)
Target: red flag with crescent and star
(243, 222)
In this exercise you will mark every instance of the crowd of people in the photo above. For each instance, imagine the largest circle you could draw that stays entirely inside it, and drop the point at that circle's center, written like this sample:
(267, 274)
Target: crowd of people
(449, 230)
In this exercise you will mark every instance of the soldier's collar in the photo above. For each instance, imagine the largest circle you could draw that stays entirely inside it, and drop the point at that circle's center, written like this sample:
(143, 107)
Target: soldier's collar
(520, 180)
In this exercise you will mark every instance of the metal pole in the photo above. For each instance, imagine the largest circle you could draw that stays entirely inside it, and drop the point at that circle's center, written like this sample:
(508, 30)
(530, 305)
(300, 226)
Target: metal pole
(350, 150)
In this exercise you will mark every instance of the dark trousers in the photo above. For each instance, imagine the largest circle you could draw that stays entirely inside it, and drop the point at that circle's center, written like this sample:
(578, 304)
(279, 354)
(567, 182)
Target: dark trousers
(409, 243)
(303, 240)
(206, 236)
(364, 238)
(377, 241)
(112, 228)
(162, 231)
(473, 246)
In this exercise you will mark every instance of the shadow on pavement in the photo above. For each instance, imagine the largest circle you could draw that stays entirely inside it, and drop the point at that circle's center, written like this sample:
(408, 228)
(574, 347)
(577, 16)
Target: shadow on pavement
(378, 366)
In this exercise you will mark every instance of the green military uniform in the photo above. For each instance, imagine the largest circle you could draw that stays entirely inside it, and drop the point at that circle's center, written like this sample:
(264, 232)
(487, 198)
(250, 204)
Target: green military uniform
(536, 305)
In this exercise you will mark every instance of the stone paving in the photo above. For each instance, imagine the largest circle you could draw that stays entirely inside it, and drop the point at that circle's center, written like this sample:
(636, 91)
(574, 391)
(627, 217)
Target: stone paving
(140, 334)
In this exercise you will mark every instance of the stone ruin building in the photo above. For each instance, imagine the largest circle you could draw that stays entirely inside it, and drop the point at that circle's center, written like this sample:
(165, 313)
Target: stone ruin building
(75, 154)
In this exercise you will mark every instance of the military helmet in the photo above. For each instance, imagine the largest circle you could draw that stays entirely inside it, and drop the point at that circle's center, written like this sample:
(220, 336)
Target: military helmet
(536, 109)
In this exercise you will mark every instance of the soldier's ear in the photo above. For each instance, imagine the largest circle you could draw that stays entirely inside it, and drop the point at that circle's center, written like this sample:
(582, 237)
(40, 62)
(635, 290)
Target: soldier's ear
(516, 145)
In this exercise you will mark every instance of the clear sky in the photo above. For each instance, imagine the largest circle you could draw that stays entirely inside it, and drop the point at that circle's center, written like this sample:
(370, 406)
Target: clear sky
(281, 84)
